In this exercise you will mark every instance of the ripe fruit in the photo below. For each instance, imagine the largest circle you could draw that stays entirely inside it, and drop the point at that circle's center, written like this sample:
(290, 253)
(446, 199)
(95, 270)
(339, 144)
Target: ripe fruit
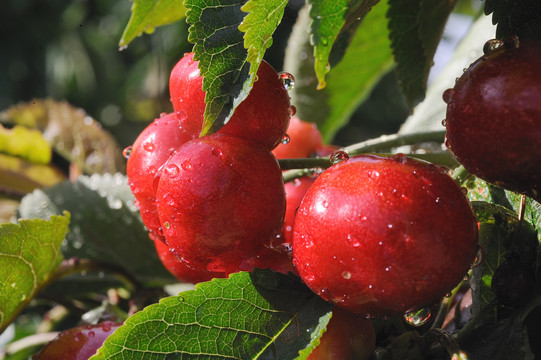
(220, 199)
(380, 236)
(180, 269)
(295, 191)
(304, 140)
(262, 117)
(348, 337)
(78, 343)
(149, 152)
(494, 118)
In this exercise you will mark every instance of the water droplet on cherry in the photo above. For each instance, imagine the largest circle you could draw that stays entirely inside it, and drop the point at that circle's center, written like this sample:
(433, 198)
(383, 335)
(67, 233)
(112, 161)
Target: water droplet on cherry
(127, 152)
(479, 258)
(172, 169)
(186, 165)
(417, 317)
(148, 146)
(491, 46)
(346, 275)
(338, 157)
(285, 139)
(447, 95)
(287, 80)
(292, 110)
(511, 42)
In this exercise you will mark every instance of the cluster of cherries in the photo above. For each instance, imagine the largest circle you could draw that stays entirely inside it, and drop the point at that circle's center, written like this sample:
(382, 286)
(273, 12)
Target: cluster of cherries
(374, 235)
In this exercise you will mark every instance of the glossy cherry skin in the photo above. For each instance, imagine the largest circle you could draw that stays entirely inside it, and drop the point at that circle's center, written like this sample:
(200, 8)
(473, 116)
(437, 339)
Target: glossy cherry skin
(304, 140)
(78, 343)
(220, 199)
(348, 337)
(380, 236)
(149, 152)
(262, 117)
(179, 268)
(494, 118)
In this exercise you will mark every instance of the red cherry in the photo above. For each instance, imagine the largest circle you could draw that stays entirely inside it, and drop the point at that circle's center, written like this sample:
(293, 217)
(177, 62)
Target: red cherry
(295, 191)
(494, 118)
(380, 236)
(220, 199)
(78, 343)
(149, 152)
(347, 337)
(304, 140)
(262, 117)
(180, 269)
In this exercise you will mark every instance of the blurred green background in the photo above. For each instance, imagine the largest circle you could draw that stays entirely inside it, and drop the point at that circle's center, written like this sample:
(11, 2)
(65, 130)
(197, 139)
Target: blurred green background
(68, 50)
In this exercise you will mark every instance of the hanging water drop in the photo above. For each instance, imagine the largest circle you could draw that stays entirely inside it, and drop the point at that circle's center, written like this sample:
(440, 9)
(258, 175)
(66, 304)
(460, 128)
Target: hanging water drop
(285, 139)
(447, 95)
(338, 157)
(292, 110)
(287, 80)
(511, 42)
(491, 46)
(417, 317)
(127, 152)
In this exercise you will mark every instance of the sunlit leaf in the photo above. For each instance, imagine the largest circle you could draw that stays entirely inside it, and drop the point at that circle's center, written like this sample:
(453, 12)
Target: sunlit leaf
(146, 15)
(223, 60)
(29, 253)
(260, 315)
(258, 26)
(25, 143)
(349, 83)
(71, 132)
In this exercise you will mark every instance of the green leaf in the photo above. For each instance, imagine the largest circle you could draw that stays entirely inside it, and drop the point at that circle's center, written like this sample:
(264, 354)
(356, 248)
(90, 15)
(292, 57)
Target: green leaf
(521, 18)
(19, 177)
(349, 83)
(146, 15)
(223, 60)
(71, 132)
(258, 26)
(259, 315)
(416, 27)
(328, 17)
(27, 144)
(105, 224)
(29, 253)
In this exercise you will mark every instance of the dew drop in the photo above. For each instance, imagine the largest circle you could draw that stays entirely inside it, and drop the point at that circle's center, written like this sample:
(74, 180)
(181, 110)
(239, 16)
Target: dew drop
(127, 152)
(417, 317)
(287, 80)
(292, 110)
(186, 165)
(91, 334)
(216, 266)
(464, 190)
(106, 326)
(466, 277)
(217, 152)
(511, 42)
(353, 241)
(167, 225)
(163, 114)
(338, 157)
(22, 297)
(447, 95)
(13, 285)
(448, 295)
(444, 122)
(171, 169)
(346, 275)
(148, 146)
(285, 139)
(373, 174)
(160, 231)
(491, 46)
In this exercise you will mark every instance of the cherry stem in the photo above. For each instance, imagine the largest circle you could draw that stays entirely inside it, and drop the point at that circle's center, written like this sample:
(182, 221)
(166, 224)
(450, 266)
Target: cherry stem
(301, 167)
